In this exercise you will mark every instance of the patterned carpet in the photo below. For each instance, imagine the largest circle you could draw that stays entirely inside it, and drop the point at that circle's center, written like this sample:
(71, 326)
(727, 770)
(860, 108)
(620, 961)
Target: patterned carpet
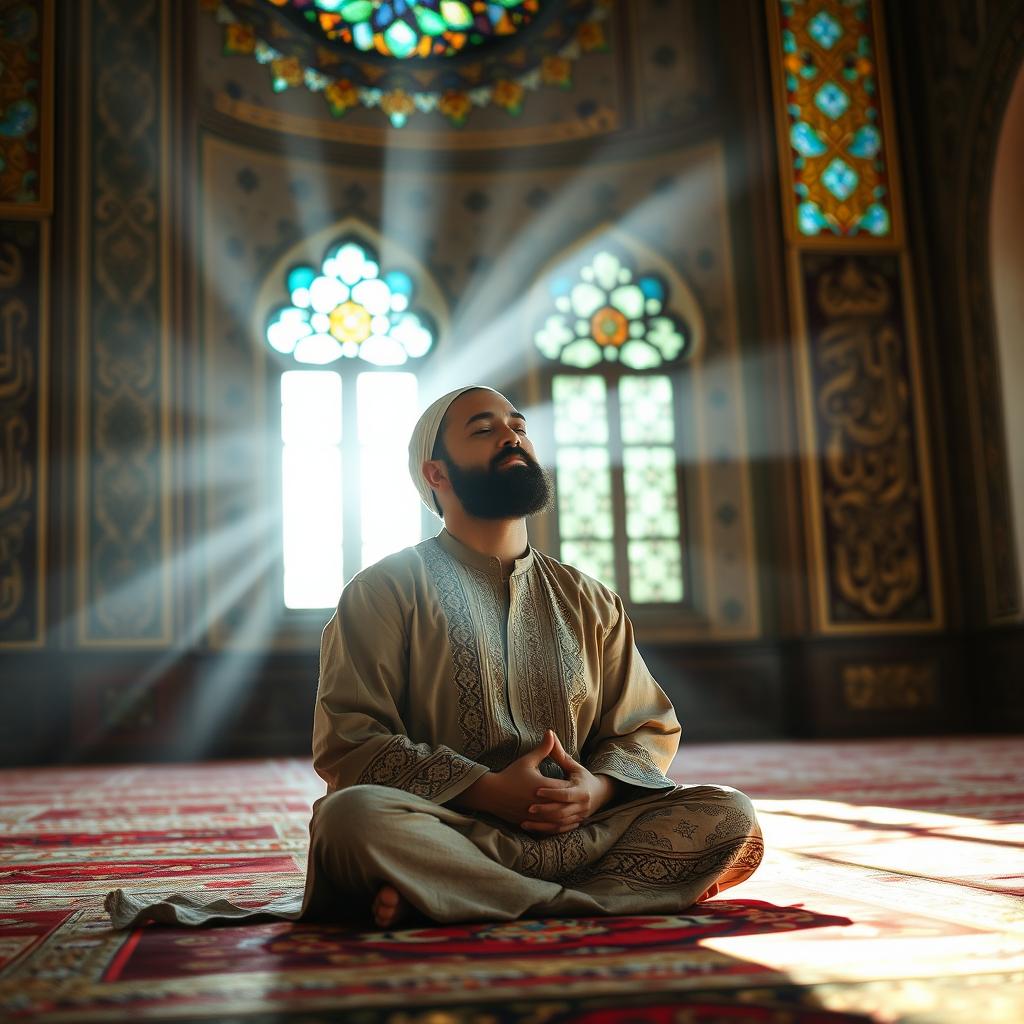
(892, 891)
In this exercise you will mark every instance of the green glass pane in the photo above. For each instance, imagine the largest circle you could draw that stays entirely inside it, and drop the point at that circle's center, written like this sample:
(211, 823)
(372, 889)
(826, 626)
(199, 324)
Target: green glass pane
(358, 10)
(581, 410)
(652, 507)
(457, 14)
(646, 410)
(655, 571)
(401, 39)
(638, 355)
(584, 493)
(429, 21)
(594, 557)
(583, 353)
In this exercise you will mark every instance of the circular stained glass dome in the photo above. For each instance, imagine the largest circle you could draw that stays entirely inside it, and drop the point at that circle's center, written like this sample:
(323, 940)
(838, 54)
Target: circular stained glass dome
(405, 29)
(421, 51)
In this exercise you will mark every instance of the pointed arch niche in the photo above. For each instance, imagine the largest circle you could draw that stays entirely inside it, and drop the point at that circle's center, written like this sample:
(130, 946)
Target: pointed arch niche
(1006, 254)
(311, 397)
(648, 438)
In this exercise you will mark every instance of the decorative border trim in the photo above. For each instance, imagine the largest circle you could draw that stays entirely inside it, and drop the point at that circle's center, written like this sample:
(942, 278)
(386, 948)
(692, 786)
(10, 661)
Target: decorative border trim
(604, 122)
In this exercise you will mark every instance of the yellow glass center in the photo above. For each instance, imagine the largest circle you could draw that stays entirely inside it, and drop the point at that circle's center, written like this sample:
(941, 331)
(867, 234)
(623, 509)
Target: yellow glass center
(350, 322)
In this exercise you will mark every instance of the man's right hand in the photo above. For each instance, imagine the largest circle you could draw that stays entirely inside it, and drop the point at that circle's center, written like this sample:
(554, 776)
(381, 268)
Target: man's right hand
(508, 794)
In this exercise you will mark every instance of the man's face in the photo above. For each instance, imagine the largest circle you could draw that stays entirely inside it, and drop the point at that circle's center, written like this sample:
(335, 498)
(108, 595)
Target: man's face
(490, 460)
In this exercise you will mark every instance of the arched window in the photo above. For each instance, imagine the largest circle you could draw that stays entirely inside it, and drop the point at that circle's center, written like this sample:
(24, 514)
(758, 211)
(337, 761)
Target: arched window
(349, 332)
(617, 323)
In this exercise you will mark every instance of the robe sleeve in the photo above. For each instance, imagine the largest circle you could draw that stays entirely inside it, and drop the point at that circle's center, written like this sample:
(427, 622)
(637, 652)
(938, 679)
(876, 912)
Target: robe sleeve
(637, 735)
(359, 737)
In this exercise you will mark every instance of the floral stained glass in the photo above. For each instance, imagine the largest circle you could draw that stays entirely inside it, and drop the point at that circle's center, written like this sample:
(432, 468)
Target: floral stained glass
(405, 29)
(349, 308)
(605, 313)
(839, 172)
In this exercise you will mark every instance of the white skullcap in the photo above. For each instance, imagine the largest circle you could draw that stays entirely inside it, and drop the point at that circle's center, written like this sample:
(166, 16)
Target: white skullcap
(424, 435)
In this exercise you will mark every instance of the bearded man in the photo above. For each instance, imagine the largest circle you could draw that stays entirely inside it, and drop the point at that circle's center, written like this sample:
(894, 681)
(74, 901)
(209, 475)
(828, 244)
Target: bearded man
(492, 742)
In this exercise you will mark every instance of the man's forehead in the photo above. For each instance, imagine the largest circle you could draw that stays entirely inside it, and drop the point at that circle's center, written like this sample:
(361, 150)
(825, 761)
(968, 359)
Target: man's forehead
(472, 403)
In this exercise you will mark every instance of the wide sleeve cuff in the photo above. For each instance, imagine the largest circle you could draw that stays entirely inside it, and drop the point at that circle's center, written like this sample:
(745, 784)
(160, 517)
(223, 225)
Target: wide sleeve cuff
(436, 773)
(629, 763)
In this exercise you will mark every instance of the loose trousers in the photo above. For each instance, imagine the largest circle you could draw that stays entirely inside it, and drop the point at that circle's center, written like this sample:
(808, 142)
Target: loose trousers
(658, 854)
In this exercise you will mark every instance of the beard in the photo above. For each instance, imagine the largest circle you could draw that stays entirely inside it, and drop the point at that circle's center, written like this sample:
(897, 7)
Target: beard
(496, 493)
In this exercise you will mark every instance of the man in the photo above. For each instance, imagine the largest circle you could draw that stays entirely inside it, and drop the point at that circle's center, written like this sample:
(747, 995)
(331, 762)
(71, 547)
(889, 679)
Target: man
(492, 743)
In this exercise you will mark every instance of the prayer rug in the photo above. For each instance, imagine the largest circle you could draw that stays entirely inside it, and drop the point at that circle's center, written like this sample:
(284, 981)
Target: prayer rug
(892, 891)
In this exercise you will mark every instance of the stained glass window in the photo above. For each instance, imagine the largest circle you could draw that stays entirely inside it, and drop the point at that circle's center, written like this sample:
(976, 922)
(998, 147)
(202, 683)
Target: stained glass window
(405, 29)
(349, 308)
(839, 173)
(614, 426)
(344, 434)
(607, 314)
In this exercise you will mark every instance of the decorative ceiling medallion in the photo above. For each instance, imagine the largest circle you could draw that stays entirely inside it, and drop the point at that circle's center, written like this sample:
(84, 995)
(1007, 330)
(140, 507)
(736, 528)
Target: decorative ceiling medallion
(499, 70)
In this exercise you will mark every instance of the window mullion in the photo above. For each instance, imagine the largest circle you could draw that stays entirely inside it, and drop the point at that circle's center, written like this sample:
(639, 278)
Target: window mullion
(620, 542)
(352, 534)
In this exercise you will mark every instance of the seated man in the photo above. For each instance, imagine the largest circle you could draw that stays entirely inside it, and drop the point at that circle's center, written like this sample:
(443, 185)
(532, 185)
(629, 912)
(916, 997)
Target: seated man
(492, 742)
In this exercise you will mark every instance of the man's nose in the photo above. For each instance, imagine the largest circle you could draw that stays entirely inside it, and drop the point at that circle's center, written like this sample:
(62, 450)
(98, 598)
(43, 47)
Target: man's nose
(509, 436)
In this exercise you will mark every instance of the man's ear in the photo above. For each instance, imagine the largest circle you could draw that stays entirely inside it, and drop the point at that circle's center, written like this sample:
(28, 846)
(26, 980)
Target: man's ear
(434, 472)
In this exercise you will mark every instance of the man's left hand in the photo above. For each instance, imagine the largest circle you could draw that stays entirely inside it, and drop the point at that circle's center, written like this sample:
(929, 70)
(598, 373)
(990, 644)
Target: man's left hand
(565, 804)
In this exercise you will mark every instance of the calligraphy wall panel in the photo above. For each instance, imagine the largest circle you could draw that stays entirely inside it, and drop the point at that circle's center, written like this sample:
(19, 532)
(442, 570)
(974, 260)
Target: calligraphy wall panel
(871, 519)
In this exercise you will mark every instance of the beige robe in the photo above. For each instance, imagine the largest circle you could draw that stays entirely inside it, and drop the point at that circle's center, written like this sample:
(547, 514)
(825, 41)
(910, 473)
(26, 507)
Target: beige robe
(436, 669)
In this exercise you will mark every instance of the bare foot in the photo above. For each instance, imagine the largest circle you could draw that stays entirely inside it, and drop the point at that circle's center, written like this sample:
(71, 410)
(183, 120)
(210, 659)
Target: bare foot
(389, 908)
(713, 891)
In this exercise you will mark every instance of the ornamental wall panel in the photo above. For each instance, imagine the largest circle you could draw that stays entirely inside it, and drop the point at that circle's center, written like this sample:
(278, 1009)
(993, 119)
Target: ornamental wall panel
(123, 486)
(24, 260)
(26, 202)
(872, 545)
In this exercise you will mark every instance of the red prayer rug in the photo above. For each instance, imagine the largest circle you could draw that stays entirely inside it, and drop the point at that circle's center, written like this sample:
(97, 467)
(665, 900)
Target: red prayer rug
(892, 891)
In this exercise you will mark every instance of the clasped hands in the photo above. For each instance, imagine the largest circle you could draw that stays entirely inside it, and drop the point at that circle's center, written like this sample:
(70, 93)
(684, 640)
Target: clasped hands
(521, 795)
